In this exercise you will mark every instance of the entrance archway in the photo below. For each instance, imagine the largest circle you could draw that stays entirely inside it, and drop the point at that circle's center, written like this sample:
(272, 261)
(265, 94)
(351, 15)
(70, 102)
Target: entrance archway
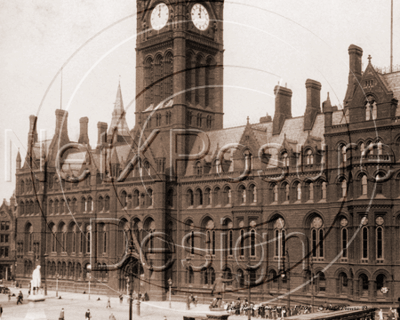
(132, 269)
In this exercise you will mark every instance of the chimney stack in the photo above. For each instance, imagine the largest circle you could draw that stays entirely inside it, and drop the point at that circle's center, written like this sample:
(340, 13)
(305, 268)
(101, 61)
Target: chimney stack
(62, 122)
(355, 72)
(102, 133)
(83, 133)
(313, 106)
(32, 135)
(283, 108)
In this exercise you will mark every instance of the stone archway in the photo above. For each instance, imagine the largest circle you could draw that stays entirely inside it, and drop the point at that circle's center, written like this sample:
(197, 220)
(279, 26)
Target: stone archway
(131, 269)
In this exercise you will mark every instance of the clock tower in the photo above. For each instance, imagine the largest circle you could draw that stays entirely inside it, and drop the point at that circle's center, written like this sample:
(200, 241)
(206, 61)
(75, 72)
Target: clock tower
(179, 65)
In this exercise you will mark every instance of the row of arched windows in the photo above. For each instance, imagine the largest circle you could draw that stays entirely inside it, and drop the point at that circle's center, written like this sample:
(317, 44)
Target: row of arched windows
(200, 80)
(158, 74)
(217, 197)
(136, 199)
(159, 119)
(198, 120)
(294, 192)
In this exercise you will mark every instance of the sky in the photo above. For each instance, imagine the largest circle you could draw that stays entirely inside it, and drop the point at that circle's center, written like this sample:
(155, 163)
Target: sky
(93, 41)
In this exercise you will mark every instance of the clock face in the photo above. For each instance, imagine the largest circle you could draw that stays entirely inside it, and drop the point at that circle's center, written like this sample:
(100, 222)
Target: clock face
(200, 17)
(159, 16)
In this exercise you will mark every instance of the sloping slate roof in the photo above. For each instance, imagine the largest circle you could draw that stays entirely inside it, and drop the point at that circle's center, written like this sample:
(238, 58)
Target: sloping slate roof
(161, 105)
(73, 162)
(393, 82)
(37, 145)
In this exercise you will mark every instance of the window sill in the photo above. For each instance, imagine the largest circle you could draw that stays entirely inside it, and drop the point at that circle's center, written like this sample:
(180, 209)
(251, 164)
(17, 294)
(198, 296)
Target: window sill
(380, 261)
(364, 260)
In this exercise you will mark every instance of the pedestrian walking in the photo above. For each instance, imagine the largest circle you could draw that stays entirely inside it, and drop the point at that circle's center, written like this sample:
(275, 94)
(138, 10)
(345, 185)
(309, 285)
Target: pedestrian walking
(108, 303)
(20, 297)
(380, 314)
(121, 298)
(111, 317)
(1, 311)
(87, 315)
(61, 317)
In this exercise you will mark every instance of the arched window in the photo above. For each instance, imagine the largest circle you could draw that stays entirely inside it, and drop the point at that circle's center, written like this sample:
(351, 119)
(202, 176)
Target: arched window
(380, 283)
(51, 207)
(344, 236)
(275, 193)
(364, 185)
(317, 238)
(240, 277)
(285, 159)
(136, 198)
(343, 188)
(54, 239)
(324, 185)
(73, 244)
(287, 191)
(168, 117)
(107, 204)
(199, 197)
(252, 194)
(217, 196)
(190, 275)
(199, 169)
(227, 195)
(364, 242)
(207, 196)
(364, 285)
(209, 121)
(280, 237)
(309, 157)
(123, 199)
(190, 198)
(297, 189)
(242, 242)
(379, 243)
(149, 195)
(100, 204)
(105, 239)
(252, 243)
(242, 194)
(311, 191)
(199, 120)
(158, 120)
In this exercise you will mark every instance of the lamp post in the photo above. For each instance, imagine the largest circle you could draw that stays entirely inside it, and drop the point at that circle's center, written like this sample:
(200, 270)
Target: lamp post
(57, 276)
(170, 284)
(286, 274)
(45, 273)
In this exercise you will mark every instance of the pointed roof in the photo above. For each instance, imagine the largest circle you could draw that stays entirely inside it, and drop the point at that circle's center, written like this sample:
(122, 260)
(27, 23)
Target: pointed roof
(118, 116)
(18, 157)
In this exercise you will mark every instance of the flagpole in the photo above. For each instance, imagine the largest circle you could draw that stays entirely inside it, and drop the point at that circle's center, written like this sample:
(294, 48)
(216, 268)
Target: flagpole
(391, 40)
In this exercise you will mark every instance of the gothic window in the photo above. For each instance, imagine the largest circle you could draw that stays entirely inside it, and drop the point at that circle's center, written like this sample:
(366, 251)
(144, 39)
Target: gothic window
(364, 242)
(169, 81)
(51, 207)
(22, 186)
(252, 193)
(190, 199)
(379, 242)
(309, 157)
(158, 68)
(242, 194)
(100, 205)
(149, 74)
(199, 169)
(207, 196)
(364, 185)
(54, 239)
(107, 204)
(73, 205)
(149, 194)
(280, 237)
(379, 147)
(364, 284)
(158, 119)
(217, 196)
(168, 117)
(199, 197)
(286, 190)
(240, 277)
(199, 80)
(83, 205)
(297, 190)
(209, 82)
(324, 185)
(343, 151)
(88, 239)
(242, 242)
(230, 243)
(275, 193)
(342, 188)
(123, 199)
(73, 239)
(189, 117)
(189, 77)
(209, 121)
(227, 195)
(311, 191)
(344, 237)
(199, 119)
(252, 243)
(317, 238)
(64, 239)
(104, 239)
(285, 159)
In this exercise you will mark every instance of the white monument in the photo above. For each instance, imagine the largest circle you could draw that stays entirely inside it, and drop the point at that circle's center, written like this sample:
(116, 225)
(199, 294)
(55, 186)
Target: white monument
(35, 295)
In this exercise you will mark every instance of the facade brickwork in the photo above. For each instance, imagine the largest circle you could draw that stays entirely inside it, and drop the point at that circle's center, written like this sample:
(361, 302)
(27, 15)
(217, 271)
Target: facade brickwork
(314, 198)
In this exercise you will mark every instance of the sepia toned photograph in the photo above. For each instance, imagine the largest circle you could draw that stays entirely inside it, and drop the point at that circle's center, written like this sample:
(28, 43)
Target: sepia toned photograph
(193, 159)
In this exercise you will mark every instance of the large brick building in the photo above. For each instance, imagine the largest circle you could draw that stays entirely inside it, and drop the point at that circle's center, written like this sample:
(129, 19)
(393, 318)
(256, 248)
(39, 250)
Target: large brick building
(312, 195)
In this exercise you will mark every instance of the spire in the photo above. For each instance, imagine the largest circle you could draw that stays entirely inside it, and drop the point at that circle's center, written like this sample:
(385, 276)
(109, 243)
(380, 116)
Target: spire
(118, 116)
(18, 160)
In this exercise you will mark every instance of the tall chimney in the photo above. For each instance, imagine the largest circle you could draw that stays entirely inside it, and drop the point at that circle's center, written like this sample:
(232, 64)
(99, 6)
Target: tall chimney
(283, 108)
(355, 72)
(102, 133)
(83, 133)
(313, 106)
(62, 122)
(32, 135)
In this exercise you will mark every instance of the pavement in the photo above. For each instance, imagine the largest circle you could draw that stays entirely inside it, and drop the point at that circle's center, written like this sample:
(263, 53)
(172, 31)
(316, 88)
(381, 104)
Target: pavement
(76, 304)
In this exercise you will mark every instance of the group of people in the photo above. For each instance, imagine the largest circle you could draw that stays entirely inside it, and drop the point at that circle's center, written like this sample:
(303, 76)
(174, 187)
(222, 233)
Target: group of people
(191, 299)
(244, 307)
